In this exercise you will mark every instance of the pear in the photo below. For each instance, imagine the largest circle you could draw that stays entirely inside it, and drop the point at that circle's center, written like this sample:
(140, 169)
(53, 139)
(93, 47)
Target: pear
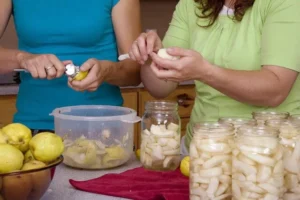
(3, 138)
(28, 156)
(46, 147)
(11, 158)
(17, 187)
(18, 135)
(33, 164)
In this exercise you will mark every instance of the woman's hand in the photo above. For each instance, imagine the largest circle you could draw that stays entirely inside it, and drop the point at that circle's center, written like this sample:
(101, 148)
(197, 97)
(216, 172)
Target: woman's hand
(190, 66)
(98, 71)
(42, 66)
(145, 44)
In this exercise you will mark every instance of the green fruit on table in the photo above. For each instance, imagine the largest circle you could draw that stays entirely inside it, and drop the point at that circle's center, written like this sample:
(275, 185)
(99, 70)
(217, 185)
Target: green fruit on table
(18, 135)
(28, 156)
(11, 158)
(33, 164)
(46, 147)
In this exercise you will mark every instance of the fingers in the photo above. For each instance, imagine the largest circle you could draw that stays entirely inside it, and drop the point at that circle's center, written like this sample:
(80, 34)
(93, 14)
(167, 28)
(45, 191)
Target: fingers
(58, 65)
(92, 81)
(161, 73)
(43, 66)
(145, 44)
(180, 52)
(153, 42)
(165, 63)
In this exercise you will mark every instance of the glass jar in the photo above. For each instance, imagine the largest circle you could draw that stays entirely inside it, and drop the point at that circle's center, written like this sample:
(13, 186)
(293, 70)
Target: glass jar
(210, 161)
(237, 122)
(290, 143)
(262, 116)
(257, 165)
(160, 136)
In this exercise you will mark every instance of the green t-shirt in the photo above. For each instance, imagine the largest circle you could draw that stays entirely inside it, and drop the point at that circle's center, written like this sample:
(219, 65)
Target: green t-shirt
(269, 34)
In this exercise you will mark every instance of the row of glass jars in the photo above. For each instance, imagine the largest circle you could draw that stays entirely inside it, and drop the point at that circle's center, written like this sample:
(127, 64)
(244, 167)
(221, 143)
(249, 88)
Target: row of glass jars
(257, 161)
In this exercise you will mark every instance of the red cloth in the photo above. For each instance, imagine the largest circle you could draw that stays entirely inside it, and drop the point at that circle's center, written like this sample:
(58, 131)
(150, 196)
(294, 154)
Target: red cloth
(139, 184)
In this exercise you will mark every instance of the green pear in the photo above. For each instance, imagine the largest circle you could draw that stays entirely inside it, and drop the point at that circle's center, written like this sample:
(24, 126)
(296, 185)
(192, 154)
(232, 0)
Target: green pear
(46, 147)
(28, 156)
(11, 158)
(18, 135)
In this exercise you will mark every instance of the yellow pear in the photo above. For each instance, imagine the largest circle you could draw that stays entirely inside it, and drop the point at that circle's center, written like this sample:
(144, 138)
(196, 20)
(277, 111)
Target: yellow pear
(28, 156)
(33, 164)
(185, 166)
(17, 187)
(11, 158)
(18, 135)
(3, 138)
(46, 147)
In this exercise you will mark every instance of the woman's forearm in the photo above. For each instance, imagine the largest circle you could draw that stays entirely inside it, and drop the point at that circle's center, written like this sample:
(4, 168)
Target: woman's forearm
(156, 87)
(9, 60)
(266, 87)
(124, 73)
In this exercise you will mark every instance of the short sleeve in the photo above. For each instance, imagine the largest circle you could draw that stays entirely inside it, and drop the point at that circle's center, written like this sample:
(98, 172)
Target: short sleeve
(178, 31)
(281, 34)
(114, 2)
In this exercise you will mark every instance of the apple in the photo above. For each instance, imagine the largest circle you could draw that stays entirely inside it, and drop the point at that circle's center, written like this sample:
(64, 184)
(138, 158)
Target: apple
(11, 158)
(46, 147)
(18, 135)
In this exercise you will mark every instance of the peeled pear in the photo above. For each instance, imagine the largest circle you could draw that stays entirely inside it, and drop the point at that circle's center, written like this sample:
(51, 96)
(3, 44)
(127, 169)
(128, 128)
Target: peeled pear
(18, 135)
(17, 187)
(46, 147)
(164, 54)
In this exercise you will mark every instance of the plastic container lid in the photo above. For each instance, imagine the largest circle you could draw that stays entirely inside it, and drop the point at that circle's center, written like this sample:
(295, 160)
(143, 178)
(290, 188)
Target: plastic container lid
(96, 113)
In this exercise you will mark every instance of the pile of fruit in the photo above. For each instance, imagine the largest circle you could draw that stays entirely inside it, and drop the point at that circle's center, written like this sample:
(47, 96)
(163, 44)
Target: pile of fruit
(19, 151)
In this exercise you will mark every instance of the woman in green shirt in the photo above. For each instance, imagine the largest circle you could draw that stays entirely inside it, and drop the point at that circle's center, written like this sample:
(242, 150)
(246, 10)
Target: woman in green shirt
(243, 55)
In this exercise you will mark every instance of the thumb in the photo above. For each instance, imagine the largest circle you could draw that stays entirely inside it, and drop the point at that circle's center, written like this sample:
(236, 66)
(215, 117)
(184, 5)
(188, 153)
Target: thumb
(176, 51)
(86, 66)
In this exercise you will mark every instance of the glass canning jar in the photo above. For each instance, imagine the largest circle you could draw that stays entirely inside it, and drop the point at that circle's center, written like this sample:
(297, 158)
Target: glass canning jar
(160, 136)
(210, 161)
(262, 116)
(237, 122)
(290, 143)
(257, 165)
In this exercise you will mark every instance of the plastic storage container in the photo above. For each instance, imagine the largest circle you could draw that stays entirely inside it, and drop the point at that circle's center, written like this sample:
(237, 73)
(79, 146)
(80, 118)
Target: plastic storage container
(262, 116)
(290, 142)
(210, 161)
(257, 165)
(160, 136)
(96, 137)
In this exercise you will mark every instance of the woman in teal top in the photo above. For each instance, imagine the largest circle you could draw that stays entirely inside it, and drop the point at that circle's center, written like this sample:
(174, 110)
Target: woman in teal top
(53, 33)
(243, 55)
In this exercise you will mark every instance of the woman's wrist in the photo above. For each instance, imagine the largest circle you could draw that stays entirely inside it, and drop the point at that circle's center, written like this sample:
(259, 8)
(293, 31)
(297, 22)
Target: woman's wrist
(20, 55)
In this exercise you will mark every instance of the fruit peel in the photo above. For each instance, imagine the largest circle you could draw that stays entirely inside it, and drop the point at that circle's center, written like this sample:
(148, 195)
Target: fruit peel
(46, 147)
